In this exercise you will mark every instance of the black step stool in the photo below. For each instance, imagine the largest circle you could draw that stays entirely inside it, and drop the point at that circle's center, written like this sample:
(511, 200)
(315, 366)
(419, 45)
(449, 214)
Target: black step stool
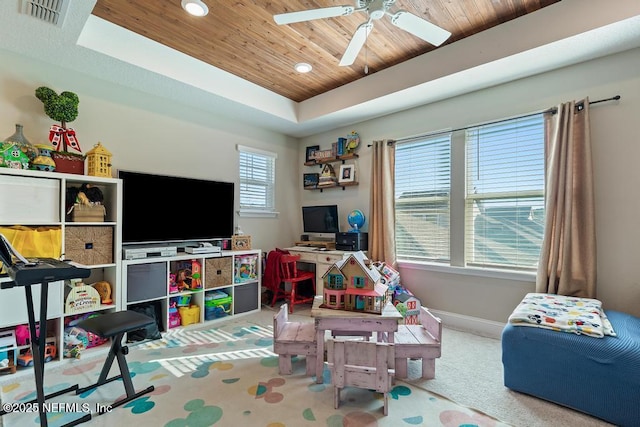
(114, 326)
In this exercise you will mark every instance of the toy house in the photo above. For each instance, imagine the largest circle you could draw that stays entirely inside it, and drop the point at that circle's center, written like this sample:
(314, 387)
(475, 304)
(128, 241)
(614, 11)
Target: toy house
(11, 156)
(352, 284)
(409, 306)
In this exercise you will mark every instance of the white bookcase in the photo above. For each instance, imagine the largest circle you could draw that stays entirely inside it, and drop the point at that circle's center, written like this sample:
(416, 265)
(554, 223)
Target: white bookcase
(39, 199)
(234, 273)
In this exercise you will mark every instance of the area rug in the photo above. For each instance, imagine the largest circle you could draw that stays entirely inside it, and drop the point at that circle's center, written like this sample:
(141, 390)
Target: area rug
(225, 375)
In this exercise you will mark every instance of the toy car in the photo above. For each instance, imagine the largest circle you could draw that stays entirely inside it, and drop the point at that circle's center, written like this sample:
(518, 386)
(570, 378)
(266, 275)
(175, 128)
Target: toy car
(26, 358)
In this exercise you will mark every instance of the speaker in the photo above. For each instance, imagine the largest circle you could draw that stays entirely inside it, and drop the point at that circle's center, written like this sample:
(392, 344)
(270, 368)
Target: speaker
(304, 237)
(352, 241)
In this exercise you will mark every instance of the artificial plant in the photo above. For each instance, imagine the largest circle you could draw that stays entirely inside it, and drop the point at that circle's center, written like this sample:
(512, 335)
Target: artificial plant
(64, 109)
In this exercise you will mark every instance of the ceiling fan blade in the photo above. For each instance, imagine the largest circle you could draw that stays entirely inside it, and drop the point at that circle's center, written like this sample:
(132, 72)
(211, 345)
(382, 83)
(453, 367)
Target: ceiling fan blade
(309, 15)
(419, 27)
(356, 43)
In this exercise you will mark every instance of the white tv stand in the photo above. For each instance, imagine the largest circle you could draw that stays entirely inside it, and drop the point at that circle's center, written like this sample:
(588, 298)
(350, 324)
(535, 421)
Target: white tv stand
(236, 273)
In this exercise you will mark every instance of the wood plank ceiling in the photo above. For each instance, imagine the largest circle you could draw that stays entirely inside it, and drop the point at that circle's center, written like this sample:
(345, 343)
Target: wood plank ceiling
(241, 37)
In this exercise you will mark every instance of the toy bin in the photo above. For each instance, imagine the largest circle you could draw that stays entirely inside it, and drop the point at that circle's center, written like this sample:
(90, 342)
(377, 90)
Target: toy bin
(189, 315)
(182, 300)
(217, 304)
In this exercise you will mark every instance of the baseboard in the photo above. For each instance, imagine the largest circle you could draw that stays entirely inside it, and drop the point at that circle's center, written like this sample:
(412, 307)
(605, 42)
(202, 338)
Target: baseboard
(475, 325)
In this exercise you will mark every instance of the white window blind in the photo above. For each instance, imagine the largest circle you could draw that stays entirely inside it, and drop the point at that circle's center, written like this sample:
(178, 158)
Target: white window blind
(504, 206)
(422, 189)
(257, 180)
(480, 205)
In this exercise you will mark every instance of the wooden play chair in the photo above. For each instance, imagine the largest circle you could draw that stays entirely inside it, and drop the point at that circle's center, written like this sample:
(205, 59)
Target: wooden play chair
(290, 278)
(292, 339)
(361, 364)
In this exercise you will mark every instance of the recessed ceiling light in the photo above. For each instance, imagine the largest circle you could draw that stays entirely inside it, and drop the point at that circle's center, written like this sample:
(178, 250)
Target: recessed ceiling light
(303, 67)
(195, 7)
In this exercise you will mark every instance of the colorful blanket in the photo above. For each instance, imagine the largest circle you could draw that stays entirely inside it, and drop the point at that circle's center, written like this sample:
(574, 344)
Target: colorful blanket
(563, 313)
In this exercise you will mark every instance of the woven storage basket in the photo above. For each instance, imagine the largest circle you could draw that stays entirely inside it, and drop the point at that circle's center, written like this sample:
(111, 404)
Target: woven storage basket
(217, 272)
(89, 245)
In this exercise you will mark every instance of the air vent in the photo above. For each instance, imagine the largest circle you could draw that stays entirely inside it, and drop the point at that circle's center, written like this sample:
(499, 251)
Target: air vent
(51, 11)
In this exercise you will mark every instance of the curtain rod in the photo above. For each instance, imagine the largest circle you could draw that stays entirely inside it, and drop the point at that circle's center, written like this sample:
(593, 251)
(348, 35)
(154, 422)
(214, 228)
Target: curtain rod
(552, 110)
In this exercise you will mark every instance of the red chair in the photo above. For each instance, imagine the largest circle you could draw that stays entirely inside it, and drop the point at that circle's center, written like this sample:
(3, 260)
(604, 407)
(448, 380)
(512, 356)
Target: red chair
(290, 278)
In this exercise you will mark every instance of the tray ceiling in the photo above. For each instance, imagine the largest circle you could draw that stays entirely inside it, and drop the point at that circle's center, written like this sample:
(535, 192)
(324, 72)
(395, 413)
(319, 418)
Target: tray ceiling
(242, 38)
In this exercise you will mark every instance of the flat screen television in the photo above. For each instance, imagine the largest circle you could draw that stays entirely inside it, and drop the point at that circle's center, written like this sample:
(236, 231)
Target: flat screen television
(320, 219)
(161, 208)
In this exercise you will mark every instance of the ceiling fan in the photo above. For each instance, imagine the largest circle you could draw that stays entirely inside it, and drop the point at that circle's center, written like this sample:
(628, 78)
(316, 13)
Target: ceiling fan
(376, 9)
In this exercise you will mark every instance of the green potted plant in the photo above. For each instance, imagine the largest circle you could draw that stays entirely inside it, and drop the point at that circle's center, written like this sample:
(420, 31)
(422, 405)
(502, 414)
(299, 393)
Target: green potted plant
(64, 109)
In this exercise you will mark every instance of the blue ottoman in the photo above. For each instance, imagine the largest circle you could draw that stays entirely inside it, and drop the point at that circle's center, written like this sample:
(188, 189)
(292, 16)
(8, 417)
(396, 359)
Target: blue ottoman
(597, 376)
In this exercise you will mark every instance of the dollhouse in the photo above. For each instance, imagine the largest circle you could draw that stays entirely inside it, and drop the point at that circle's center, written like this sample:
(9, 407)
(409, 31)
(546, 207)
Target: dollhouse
(352, 284)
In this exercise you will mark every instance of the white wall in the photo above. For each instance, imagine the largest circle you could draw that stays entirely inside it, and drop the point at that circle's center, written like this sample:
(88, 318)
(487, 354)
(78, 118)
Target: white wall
(147, 134)
(616, 150)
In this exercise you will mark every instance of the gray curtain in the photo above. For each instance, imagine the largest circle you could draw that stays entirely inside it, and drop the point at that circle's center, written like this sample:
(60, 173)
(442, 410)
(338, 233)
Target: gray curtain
(568, 255)
(382, 246)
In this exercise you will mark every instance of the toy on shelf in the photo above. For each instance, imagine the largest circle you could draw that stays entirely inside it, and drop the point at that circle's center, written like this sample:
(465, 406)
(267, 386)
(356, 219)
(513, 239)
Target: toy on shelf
(23, 336)
(73, 344)
(245, 268)
(104, 290)
(188, 275)
(196, 275)
(8, 351)
(50, 351)
(174, 315)
(189, 315)
(173, 286)
(181, 280)
(81, 298)
(181, 300)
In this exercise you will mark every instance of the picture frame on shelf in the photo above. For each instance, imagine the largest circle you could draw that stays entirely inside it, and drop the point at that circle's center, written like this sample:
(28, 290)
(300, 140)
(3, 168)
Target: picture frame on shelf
(310, 154)
(347, 173)
(310, 180)
(240, 242)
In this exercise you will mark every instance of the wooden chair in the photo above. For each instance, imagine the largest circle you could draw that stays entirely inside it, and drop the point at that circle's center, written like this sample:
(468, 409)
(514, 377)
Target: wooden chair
(290, 278)
(292, 339)
(361, 364)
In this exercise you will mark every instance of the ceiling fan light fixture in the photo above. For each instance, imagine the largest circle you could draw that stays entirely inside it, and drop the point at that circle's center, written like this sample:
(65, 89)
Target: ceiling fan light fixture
(195, 7)
(303, 67)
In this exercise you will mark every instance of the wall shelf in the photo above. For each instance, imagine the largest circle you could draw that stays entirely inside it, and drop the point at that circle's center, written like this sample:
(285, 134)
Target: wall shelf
(337, 185)
(338, 159)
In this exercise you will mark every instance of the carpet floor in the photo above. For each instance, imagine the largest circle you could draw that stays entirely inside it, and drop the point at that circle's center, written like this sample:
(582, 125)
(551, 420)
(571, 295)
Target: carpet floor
(225, 374)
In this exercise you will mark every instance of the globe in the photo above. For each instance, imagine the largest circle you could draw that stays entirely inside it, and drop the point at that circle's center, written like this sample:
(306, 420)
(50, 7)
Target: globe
(356, 220)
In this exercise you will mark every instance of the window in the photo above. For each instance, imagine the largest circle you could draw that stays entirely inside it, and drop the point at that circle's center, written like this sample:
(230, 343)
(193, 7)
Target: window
(257, 181)
(481, 206)
(335, 281)
(423, 185)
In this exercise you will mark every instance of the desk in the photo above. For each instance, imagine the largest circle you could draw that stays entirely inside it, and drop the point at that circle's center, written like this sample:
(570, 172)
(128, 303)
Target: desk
(327, 319)
(321, 260)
